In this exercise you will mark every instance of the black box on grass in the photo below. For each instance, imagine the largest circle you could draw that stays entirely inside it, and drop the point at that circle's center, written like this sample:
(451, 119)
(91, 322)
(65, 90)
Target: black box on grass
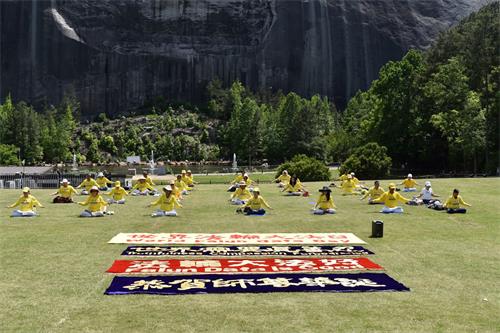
(377, 229)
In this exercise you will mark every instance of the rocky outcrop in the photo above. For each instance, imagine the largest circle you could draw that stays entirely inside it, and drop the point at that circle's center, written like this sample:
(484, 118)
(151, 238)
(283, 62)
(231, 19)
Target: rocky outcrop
(118, 55)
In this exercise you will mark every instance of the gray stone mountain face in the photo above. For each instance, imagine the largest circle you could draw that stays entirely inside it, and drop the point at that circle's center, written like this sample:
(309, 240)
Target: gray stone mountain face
(118, 55)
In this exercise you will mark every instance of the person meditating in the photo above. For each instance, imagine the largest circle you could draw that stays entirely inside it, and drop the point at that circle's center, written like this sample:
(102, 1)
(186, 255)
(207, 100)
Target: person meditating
(454, 203)
(241, 195)
(96, 204)
(283, 179)
(187, 180)
(348, 186)
(142, 187)
(102, 182)
(294, 187)
(148, 178)
(167, 202)
(390, 200)
(426, 195)
(234, 183)
(410, 185)
(27, 205)
(118, 194)
(374, 193)
(189, 175)
(325, 204)
(87, 184)
(181, 185)
(64, 193)
(255, 204)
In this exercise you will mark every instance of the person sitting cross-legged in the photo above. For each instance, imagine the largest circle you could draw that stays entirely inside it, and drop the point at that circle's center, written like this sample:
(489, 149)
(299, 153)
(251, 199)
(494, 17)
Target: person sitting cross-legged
(325, 204)
(454, 203)
(283, 179)
(102, 181)
(234, 183)
(255, 204)
(426, 195)
(167, 202)
(87, 184)
(294, 187)
(187, 180)
(409, 184)
(241, 195)
(97, 206)
(118, 194)
(64, 193)
(374, 193)
(348, 186)
(390, 200)
(181, 186)
(142, 187)
(27, 204)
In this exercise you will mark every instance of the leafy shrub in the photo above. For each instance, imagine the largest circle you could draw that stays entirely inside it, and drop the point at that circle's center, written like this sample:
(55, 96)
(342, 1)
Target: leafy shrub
(8, 155)
(306, 168)
(369, 161)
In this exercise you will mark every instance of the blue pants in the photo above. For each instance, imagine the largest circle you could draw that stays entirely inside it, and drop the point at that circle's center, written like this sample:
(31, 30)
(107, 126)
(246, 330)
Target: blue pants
(249, 211)
(456, 210)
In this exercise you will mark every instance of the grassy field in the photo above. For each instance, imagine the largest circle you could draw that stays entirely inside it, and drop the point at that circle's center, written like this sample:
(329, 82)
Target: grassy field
(52, 268)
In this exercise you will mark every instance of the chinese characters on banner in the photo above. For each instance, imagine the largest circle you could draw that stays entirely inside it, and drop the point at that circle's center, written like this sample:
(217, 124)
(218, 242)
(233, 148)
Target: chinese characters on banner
(236, 238)
(255, 283)
(241, 265)
(237, 251)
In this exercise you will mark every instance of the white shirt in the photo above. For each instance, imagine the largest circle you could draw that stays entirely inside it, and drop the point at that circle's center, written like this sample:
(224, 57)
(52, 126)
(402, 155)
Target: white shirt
(426, 193)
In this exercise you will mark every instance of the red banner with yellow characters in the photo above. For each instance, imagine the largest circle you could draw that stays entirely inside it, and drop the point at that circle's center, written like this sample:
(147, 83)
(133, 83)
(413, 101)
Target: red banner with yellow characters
(281, 265)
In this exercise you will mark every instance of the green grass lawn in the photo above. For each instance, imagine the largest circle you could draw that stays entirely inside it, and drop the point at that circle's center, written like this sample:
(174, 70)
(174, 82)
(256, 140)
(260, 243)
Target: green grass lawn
(52, 275)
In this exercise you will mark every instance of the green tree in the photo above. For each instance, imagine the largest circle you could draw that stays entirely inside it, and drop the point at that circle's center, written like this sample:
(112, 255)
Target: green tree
(8, 155)
(369, 161)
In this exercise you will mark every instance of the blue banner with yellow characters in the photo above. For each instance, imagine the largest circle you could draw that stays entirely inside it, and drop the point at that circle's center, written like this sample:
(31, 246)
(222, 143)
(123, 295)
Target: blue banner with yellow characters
(253, 283)
(237, 251)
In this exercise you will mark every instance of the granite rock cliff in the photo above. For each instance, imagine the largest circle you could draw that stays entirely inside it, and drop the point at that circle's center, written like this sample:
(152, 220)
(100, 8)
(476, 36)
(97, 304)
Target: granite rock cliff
(118, 55)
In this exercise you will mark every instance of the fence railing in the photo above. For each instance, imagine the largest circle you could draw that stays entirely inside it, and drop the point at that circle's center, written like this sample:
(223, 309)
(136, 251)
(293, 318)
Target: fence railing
(40, 181)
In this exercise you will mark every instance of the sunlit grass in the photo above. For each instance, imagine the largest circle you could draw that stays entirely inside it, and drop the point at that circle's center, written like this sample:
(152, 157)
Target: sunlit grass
(52, 267)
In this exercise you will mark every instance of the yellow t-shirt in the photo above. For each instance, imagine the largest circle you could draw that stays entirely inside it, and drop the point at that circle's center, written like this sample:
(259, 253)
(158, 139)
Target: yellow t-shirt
(143, 186)
(454, 203)
(26, 203)
(66, 191)
(87, 184)
(102, 181)
(323, 203)
(166, 204)
(348, 186)
(295, 188)
(374, 193)
(409, 183)
(256, 203)
(95, 203)
(285, 179)
(391, 200)
(241, 194)
(118, 193)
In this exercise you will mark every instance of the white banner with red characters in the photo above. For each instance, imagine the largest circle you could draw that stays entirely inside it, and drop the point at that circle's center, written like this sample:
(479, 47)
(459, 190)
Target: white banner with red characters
(241, 265)
(236, 238)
